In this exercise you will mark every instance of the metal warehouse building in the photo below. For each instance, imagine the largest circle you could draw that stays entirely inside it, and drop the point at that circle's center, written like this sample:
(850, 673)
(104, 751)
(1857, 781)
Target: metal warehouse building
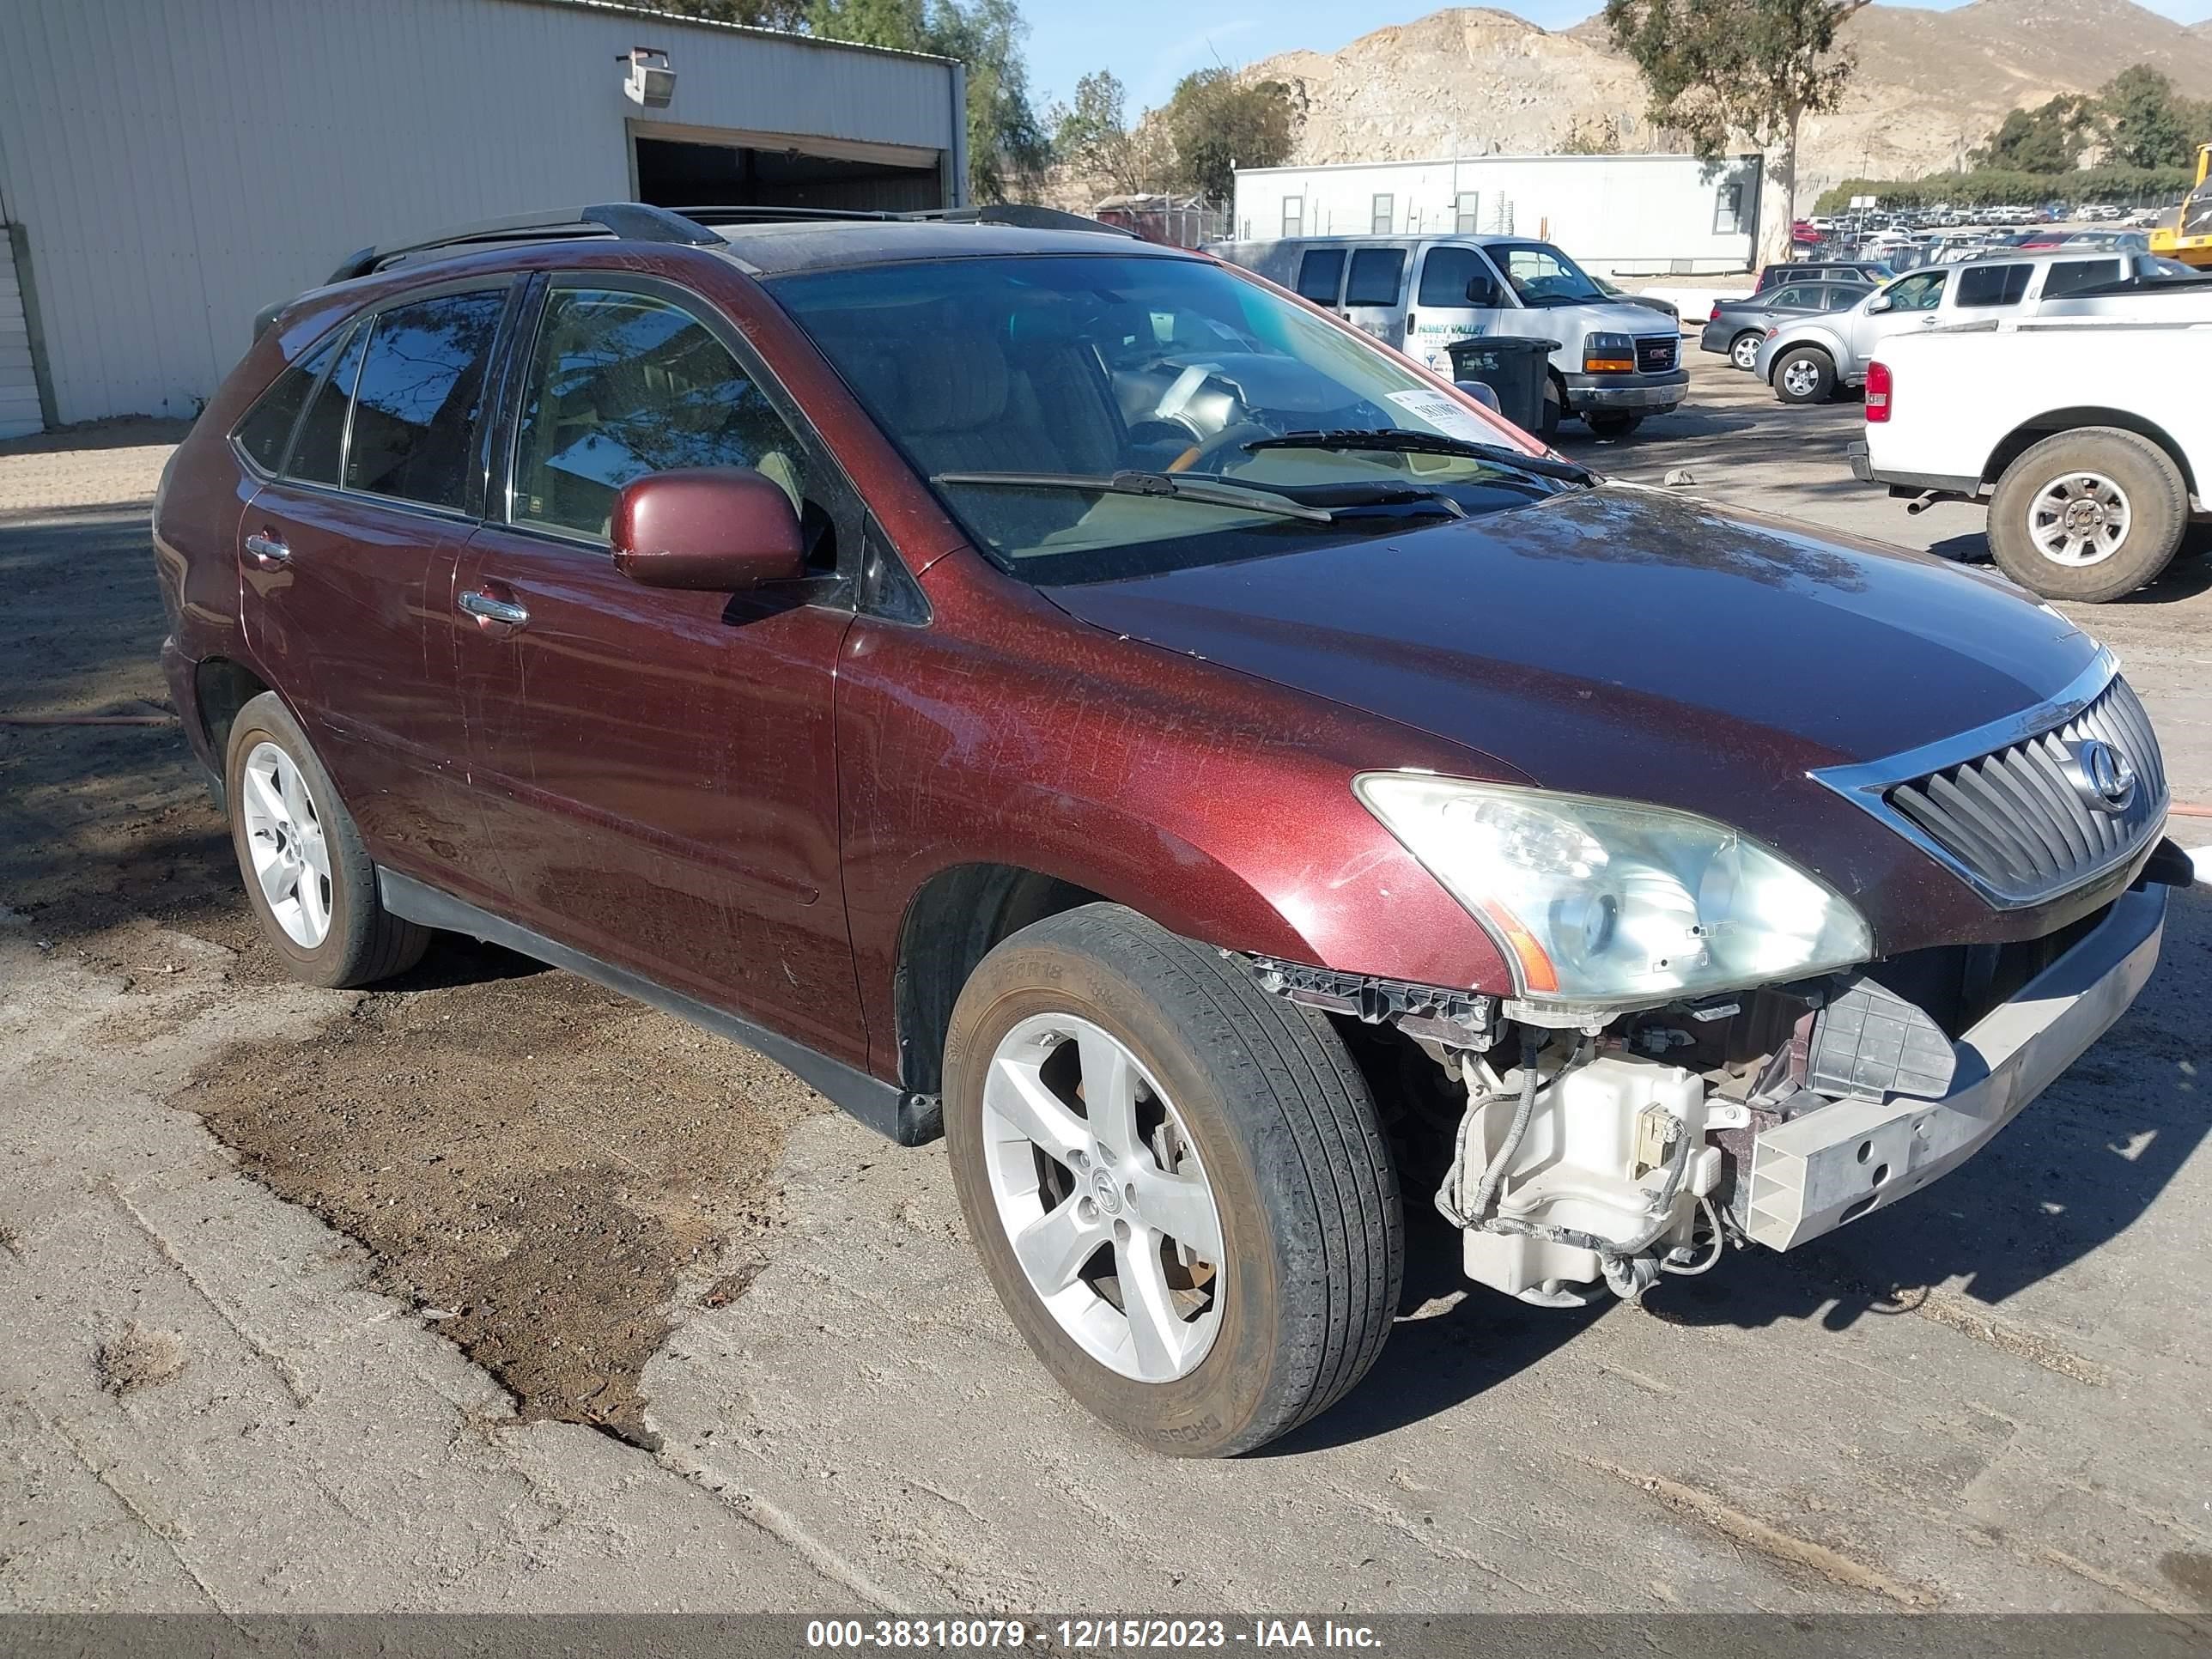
(168, 166)
(1624, 215)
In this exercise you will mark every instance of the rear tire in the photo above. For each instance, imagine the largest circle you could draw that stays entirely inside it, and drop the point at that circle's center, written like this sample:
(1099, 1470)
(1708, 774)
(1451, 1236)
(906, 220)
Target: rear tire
(1612, 426)
(1804, 375)
(1303, 1192)
(2132, 505)
(1743, 350)
(308, 877)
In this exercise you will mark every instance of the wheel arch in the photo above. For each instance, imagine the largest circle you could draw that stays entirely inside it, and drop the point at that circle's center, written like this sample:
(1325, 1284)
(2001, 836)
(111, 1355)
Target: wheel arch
(221, 686)
(952, 921)
(1779, 351)
(2057, 423)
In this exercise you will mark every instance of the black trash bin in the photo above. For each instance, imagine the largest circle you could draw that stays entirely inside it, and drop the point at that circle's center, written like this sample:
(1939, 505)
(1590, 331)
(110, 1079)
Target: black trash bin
(1512, 368)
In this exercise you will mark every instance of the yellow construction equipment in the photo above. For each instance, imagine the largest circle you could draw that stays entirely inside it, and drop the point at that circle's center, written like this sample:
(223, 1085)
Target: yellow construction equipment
(2184, 233)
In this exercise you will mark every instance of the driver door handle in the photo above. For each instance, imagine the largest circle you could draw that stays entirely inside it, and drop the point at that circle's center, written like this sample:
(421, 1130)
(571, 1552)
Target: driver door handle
(477, 602)
(268, 549)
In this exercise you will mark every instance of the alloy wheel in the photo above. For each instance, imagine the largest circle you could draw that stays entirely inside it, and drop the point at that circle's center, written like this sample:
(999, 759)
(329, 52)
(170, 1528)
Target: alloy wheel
(2079, 519)
(1104, 1197)
(284, 839)
(1801, 379)
(1744, 353)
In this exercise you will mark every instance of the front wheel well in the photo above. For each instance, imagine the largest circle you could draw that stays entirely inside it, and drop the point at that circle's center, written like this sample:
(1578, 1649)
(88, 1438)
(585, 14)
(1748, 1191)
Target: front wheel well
(2025, 436)
(953, 922)
(221, 688)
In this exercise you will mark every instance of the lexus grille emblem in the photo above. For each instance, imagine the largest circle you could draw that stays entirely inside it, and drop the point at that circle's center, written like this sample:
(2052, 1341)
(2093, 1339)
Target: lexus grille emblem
(2105, 775)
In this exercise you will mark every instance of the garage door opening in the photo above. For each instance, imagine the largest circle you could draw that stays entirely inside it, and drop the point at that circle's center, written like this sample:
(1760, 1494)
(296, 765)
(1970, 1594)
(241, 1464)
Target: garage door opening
(676, 173)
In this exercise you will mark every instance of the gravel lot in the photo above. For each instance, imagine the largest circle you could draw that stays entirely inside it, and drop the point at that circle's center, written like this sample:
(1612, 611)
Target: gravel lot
(489, 1290)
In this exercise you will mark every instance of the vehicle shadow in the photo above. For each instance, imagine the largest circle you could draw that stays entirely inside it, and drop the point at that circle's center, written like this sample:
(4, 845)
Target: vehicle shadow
(2067, 1176)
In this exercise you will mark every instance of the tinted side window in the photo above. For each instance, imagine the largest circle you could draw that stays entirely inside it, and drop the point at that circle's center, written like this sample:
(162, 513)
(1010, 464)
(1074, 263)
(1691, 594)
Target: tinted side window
(622, 385)
(1320, 274)
(1921, 291)
(321, 443)
(421, 388)
(1445, 274)
(266, 431)
(1798, 296)
(2067, 275)
(1993, 285)
(1375, 272)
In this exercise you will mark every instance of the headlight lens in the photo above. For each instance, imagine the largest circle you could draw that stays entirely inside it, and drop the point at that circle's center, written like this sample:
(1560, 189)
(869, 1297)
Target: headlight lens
(1611, 902)
(1609, 353)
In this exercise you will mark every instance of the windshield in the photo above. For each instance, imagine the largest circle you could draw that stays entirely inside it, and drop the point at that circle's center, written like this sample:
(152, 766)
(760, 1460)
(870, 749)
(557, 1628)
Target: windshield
(1087, 416)
(1542, 275)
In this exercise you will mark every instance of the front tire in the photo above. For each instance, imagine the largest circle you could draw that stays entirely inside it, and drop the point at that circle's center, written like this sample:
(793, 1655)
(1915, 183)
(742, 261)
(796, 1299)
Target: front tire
(307, 876)
(1555, 409)
(1612, 426)
(1123, 1106)
(2089, 516)
(1804, 375)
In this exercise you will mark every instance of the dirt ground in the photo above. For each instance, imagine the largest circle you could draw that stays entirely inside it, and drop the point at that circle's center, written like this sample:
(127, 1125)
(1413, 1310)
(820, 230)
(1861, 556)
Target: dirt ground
(544, 1168)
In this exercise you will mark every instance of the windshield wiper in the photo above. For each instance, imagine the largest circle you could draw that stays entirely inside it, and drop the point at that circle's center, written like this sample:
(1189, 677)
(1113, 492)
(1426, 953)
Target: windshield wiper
(1395, 439)
(1166, 485)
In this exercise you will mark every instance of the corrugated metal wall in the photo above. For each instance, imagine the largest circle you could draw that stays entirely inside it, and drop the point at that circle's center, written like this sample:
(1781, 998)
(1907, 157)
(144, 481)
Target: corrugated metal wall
(19, 384)
(180, 163)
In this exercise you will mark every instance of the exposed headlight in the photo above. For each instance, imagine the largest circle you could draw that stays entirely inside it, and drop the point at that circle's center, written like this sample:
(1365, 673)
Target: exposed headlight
(1610, 902)
(1609, 353)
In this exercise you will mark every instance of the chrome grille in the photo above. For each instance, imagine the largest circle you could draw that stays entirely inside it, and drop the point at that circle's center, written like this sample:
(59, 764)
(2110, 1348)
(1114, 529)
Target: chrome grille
(1654, 352)
(2015, 818)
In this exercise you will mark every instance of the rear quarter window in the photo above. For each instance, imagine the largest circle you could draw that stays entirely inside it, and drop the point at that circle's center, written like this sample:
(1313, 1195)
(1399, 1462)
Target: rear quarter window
(266, 432)
(2068, 275)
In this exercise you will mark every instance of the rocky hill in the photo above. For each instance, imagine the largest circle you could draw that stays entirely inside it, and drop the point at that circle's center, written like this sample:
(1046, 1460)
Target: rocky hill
(1930, 86)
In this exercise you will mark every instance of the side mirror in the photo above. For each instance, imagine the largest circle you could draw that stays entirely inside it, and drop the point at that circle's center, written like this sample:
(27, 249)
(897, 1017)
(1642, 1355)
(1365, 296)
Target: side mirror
(716, 528)
(1482, 293)
(1877, 303)
(1485, 395)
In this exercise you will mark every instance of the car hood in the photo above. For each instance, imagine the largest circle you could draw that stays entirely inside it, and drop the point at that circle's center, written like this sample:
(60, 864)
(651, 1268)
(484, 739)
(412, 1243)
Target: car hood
(1624, 641)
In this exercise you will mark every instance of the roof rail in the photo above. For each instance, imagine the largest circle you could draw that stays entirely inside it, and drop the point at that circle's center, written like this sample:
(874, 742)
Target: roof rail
(1007, 213)
(635, 221)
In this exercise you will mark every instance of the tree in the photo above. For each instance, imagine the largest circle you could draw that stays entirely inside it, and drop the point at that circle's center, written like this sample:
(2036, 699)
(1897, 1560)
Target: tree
(2048, 139)
(1218, 124)
(791, 15)
(1094, 136)
(1714, 68)
(1008, 148)
(2147, 126)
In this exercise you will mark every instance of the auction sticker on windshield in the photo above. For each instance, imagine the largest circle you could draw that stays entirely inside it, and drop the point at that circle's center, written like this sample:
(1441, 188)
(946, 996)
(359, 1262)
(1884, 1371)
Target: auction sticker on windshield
(1443, 413)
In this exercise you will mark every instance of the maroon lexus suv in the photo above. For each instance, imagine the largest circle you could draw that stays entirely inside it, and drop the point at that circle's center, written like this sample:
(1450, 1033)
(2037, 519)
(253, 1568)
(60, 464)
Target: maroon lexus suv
(1073, 693)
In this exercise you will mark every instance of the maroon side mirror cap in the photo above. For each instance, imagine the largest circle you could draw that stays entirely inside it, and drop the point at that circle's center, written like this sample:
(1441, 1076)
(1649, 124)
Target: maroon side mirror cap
(717, 528)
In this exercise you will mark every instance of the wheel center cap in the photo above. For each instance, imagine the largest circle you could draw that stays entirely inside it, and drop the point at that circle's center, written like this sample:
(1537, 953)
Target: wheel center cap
(2084, 515)
(1103, 1189)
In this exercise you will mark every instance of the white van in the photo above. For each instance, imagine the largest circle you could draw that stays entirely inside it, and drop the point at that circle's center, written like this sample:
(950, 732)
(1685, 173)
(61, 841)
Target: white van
(1615, 361)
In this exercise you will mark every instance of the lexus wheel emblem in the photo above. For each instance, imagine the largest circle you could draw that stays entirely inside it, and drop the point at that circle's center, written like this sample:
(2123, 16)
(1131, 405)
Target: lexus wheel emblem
(2104, 776)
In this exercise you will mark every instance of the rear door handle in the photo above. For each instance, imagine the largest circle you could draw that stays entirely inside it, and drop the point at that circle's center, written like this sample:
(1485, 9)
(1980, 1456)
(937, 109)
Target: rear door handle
(477, 602)
(268, 551)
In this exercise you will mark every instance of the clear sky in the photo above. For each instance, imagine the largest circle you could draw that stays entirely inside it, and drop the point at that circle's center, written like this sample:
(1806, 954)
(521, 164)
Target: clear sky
(1152, 43)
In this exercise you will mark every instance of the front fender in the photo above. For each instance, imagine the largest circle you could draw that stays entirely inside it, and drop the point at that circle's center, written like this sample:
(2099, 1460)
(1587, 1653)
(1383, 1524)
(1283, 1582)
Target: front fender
(1216, 804)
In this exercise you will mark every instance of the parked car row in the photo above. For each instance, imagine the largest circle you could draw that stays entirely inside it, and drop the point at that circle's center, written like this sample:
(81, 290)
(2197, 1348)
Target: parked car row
(1820, 343)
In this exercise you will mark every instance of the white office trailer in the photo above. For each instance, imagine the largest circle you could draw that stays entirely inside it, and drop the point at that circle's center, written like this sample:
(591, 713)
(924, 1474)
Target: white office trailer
(1621, 216)
(169, 167)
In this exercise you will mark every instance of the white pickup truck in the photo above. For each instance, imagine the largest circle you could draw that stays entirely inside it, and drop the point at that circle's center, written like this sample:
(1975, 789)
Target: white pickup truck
(2091, 437)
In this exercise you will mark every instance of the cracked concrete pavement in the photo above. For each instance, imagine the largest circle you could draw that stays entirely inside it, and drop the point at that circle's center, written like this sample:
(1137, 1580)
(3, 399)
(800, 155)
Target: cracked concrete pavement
(1994, 1397)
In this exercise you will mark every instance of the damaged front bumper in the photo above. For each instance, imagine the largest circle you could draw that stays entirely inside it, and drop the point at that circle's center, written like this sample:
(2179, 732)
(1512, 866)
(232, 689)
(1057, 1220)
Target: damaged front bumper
(1818, 1170)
